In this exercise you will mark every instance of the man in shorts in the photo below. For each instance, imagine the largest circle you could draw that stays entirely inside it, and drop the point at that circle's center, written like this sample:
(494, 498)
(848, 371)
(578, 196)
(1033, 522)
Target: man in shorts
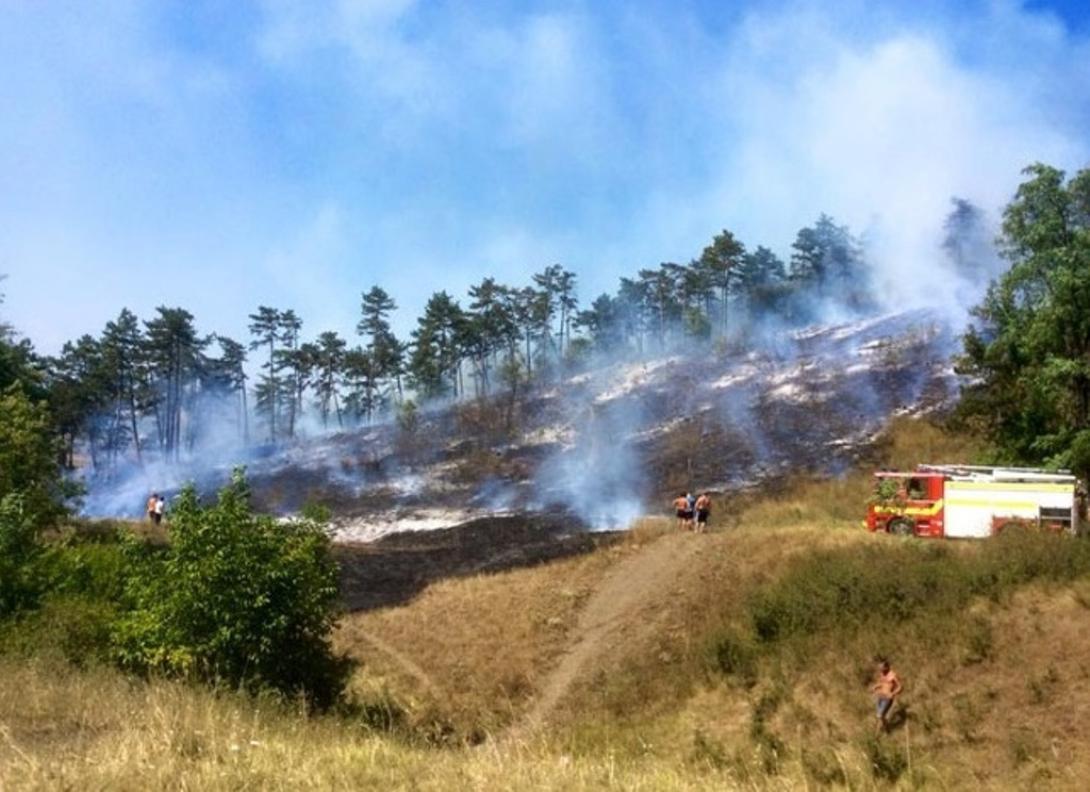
(684, 515)
(703, 509)
(885, 691)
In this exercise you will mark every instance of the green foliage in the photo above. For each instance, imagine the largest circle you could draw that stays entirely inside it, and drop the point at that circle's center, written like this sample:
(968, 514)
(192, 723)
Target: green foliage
(237, 598)
(76, 628)
(19, 587)
(888, 762)
(821, 765)
(696, 323)
(29, 454)
(97, 570)
(1029, 357)
(1078, 455)
(980, 641)
(408, 417)
(736, 657)
(840, 592)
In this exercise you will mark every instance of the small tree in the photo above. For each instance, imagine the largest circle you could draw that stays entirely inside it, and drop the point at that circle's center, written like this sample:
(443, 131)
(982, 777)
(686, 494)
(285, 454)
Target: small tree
(238, 598)
(29, 457)
(18, 548)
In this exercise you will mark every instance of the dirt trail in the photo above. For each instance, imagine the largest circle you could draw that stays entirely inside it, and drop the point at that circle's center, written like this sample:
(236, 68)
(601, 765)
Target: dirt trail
(403, 662)
(640, 581)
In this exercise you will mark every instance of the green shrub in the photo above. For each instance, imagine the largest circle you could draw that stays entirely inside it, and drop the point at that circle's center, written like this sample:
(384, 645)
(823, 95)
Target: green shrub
(237, 599)
(20, 588)
(95, 570)
(75, 628)
(892, 583)
(29, 450)
(735, 656)
(821, 765)
(708, 751)
(887, 761)
(980, 641)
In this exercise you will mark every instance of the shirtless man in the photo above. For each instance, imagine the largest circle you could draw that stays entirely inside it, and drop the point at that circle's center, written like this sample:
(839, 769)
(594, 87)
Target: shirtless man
(885, 691)
(703, 509)
(684, 516)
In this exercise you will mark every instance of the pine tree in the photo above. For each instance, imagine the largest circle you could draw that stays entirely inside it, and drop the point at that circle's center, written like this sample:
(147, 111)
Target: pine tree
(78, 392)
(491, 327)
(231, 368)
(660, 293)
(385, 351)
(568, 303)
(175, 354)
(436, 355)
(122, 349)
(292, 368)
(761, 280)
(719, 261)
(265, 326)
(328, 372)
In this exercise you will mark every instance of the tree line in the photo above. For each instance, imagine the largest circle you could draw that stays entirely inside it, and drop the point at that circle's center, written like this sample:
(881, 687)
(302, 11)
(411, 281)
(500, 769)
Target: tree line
(161, 387)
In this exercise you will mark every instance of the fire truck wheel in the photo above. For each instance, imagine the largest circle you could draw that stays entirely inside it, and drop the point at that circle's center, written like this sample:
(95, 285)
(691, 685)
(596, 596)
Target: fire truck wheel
(901, 527)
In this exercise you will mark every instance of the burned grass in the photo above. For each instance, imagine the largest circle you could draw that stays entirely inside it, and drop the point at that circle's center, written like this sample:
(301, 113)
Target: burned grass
(396, 568)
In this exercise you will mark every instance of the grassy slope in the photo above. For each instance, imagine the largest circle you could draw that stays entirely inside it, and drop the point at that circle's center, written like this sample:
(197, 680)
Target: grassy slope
(993, 688)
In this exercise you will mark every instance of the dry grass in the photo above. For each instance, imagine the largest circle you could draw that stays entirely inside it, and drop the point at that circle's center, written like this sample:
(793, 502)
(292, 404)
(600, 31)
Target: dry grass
(1012, 722)
(994, 703)
(478, 646)
(95, 730)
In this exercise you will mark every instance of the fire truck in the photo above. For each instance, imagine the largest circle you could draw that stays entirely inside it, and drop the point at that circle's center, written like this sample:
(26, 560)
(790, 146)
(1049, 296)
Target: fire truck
(966, 501)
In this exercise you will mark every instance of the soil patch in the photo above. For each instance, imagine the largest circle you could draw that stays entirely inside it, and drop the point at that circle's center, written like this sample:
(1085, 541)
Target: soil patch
(392, 570)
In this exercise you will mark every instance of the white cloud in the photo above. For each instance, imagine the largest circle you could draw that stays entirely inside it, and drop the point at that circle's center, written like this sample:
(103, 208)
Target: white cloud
(879, 131)
(424, 146)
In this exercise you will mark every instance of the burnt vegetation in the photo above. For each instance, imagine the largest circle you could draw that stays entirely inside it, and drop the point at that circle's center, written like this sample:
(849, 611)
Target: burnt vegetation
(235, 599)
(161, 389)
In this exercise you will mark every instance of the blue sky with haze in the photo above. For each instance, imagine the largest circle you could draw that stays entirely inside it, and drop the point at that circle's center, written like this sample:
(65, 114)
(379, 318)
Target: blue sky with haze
(222, 155)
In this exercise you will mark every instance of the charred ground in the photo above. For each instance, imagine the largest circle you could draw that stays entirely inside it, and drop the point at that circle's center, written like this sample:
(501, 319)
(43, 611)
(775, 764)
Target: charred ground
(614, 440)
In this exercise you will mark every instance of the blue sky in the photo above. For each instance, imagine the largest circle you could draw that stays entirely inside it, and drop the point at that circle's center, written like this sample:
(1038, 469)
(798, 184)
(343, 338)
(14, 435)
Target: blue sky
(222, 155)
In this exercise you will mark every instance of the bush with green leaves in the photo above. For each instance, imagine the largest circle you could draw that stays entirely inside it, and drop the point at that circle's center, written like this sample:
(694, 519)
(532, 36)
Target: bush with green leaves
(28, 457)
(237, 598)
(1027, 355)
(19, 548)
(844, 591)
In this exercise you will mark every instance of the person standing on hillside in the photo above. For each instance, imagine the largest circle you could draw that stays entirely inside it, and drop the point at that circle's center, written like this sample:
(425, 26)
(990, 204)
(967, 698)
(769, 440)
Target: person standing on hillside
(160, 507)
(703, 509)
(151, 506)
(684, 516)
(885, 691)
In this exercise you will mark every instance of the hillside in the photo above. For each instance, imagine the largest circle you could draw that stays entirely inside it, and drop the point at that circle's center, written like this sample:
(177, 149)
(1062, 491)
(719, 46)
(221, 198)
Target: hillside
(603, 443)
(655, 660)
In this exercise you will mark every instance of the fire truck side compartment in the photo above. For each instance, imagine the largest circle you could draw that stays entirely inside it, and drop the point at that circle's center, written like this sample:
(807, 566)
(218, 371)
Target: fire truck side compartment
(972, 507)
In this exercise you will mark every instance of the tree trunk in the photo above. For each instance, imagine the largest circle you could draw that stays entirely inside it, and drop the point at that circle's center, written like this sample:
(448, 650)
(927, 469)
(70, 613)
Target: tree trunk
(135, 433)
(245, 415)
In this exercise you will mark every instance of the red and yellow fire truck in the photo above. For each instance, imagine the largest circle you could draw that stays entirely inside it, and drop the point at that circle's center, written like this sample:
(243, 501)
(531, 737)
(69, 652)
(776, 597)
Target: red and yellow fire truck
(973, 502)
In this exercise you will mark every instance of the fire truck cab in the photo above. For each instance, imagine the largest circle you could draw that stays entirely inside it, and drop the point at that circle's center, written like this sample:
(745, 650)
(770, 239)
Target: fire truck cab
(964, 501)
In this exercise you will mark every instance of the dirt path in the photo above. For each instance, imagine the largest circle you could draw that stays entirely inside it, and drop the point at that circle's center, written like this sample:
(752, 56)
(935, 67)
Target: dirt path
(640, 581)
(403, 662)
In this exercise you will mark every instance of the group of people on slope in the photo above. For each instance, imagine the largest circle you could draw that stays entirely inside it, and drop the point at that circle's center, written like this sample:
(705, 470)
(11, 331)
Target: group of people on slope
(156, 507)
(693, 512)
